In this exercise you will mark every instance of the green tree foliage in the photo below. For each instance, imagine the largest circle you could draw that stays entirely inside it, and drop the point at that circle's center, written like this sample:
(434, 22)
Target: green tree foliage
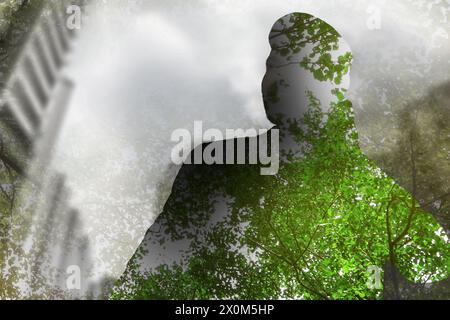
(310, 232)
(7, 10)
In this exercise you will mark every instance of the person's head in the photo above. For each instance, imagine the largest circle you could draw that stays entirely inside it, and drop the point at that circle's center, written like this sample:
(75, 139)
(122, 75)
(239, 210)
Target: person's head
(308, 67)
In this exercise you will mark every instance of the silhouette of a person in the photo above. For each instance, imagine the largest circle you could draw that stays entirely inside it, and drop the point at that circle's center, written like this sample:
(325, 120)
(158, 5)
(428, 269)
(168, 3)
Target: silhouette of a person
(297, 40)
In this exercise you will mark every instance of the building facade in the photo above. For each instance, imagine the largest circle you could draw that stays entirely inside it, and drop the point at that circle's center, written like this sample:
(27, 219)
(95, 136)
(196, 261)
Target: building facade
(41, 233)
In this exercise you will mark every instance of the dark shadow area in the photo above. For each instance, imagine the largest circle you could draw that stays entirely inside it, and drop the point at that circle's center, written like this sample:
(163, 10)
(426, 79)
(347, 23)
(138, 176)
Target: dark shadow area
(421, 160)
(421, 163)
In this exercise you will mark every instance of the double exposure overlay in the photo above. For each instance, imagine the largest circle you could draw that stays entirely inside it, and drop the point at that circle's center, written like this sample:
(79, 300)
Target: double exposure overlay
(319, 228)
(224, 150)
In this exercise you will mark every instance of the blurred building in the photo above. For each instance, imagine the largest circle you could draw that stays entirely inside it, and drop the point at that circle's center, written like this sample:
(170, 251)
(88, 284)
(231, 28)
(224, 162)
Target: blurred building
(34, 90)
(34, 95)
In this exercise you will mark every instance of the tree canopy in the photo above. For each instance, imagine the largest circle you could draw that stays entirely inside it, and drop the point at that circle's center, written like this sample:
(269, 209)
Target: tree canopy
(315, 230)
